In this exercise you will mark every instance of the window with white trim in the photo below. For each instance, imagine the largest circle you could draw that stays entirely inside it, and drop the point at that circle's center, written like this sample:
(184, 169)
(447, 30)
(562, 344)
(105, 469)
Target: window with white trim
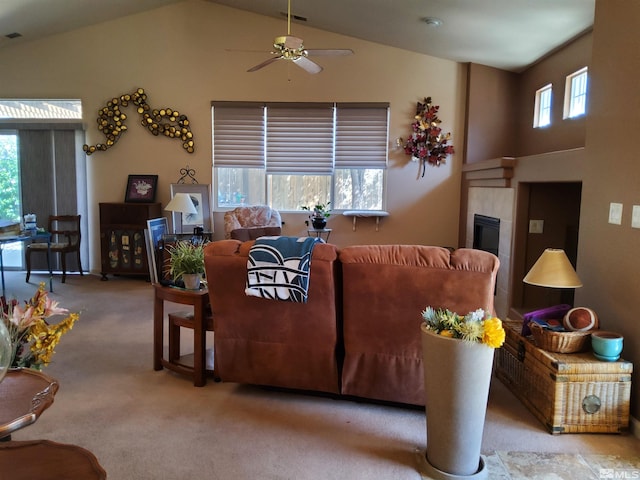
(291, 154)
(542, 110)
(575, 97)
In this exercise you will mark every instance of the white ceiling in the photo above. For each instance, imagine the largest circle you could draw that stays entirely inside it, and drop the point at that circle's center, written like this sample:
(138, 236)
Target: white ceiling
(506, 34)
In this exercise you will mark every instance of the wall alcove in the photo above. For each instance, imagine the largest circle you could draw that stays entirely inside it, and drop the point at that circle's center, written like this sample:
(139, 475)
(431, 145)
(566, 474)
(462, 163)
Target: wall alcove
(557, 204)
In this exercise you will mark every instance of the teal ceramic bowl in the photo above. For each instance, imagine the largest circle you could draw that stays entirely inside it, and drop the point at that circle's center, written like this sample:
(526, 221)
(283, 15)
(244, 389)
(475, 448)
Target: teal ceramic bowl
(607, 346)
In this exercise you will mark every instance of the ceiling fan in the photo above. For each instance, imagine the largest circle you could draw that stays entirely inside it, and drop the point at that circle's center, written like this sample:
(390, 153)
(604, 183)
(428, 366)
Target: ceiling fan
(288, 47)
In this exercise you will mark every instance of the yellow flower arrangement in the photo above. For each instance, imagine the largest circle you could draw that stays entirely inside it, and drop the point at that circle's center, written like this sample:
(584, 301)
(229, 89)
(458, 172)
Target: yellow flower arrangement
(33, 339)
(477, 326)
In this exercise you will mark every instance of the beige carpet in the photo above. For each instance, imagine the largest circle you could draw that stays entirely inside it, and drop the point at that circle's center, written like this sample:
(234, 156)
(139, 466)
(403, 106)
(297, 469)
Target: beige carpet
(148, 425)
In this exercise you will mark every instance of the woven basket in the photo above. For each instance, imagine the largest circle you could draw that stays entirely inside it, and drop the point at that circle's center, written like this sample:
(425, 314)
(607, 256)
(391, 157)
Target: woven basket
(559, 342)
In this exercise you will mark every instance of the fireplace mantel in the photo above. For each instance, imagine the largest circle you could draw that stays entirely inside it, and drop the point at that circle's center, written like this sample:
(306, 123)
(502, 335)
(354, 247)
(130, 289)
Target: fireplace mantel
(496, 172)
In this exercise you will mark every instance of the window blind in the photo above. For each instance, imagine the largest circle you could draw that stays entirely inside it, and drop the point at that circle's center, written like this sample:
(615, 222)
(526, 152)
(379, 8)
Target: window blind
(361, 135)
(300, 139)
(238, 135)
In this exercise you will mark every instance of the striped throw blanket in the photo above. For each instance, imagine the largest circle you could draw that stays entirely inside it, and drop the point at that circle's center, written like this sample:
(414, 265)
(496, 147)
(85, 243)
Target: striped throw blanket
(278, 268)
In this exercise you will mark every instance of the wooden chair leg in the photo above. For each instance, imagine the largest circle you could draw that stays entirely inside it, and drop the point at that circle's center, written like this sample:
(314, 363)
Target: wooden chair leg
(63, 258)
(28, 259)
(80, 264)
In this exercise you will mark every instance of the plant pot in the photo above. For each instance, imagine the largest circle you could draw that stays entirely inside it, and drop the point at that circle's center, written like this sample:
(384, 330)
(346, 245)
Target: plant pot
(319, 223)
(191, 281)
(607, 346)
(457, 375)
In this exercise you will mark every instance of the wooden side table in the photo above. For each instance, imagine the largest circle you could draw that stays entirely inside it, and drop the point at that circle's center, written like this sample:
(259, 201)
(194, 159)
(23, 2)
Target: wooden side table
(24, 395)
(199, 300)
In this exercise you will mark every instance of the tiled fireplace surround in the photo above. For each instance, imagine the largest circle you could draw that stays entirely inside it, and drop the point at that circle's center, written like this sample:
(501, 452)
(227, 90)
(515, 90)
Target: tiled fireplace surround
(498, 203)
(489, 192)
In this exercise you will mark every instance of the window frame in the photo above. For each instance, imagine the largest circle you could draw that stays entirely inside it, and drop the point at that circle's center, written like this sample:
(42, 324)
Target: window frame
(539, 108)
(571, 96)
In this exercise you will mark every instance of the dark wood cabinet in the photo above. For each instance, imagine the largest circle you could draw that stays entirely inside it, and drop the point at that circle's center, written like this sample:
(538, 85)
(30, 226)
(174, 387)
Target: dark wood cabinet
(122, 244)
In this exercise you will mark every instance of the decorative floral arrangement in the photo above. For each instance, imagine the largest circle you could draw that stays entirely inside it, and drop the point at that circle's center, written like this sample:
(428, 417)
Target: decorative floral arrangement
(427, 144)
(475, 327)
(33, 339)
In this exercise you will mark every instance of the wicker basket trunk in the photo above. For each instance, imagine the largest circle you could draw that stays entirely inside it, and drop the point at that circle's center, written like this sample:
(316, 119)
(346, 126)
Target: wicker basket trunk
(568, 393)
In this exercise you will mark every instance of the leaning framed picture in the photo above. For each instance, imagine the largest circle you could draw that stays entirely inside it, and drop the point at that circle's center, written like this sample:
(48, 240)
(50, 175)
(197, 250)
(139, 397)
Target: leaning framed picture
(141, 188)
(156, 229)
(200, 195)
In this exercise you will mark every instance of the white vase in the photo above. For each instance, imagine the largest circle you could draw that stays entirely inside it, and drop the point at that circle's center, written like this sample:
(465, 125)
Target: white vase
(191, 281)
(457, 375)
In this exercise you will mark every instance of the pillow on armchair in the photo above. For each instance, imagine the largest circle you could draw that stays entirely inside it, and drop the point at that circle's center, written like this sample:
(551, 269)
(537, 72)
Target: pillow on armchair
(249, 223)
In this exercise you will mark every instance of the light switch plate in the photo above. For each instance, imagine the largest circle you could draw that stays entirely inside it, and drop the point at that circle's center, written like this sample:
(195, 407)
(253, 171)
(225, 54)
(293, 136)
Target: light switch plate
(536, 226)
(635, 216)
(615, 213)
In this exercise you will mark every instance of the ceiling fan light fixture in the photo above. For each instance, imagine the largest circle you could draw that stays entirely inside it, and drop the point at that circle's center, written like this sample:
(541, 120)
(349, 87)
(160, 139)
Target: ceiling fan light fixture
(432, 21)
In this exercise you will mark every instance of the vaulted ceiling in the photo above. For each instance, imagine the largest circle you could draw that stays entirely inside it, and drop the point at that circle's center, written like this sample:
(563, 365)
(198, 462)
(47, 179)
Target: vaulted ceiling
(506, 34)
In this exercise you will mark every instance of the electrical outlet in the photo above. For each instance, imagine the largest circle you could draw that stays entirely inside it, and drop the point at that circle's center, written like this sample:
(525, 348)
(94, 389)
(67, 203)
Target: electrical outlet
(635, 216)
(536, 226)
(615, 213)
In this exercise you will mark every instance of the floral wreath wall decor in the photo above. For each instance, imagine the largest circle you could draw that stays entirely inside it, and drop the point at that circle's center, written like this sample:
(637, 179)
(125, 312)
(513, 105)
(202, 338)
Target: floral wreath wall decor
(165, 121)
(427, 144)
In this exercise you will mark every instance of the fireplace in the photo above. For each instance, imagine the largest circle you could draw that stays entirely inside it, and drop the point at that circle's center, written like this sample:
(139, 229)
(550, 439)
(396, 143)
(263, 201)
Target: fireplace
(486, 233)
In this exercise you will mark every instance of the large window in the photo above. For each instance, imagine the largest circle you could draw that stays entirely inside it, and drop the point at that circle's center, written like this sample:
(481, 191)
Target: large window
(293, 154)
(575, 97)
(542, 114)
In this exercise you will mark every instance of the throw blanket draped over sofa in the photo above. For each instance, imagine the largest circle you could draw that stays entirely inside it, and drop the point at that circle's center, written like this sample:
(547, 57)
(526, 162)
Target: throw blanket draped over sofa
(359, 333)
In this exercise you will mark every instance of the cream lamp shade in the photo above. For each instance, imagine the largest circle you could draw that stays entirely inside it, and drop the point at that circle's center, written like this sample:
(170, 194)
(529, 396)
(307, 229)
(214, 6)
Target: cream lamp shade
(182, 203)
(553, 269)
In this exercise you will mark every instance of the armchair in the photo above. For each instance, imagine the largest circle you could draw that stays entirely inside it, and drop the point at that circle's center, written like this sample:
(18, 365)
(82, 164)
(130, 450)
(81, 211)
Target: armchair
(249, 223)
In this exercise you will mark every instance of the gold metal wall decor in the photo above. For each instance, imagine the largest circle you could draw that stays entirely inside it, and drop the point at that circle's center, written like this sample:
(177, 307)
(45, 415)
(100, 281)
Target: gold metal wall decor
(165, 121)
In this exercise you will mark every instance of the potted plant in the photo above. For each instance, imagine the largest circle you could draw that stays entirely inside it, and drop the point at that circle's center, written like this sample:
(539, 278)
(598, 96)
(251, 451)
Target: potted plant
(187, 263)
(319, 214)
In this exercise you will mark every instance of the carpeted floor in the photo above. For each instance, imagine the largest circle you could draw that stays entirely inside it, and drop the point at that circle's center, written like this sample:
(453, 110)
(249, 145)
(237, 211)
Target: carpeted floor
(148, 425)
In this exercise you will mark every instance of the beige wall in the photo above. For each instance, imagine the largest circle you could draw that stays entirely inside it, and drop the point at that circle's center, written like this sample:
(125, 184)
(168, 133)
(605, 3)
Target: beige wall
(562, 134)
(178, 55)
(609, 263)
(491, 110)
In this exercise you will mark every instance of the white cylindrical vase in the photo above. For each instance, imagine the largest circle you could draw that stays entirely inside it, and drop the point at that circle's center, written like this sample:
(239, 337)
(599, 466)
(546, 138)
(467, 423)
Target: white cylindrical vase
(457, 375)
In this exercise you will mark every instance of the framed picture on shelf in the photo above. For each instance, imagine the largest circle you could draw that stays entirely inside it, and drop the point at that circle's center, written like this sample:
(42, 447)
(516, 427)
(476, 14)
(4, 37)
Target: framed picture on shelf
(200, 195)
(141, 188)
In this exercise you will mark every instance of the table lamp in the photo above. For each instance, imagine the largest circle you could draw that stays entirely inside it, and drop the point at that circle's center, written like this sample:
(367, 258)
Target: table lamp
(181, 202)
(553, 269)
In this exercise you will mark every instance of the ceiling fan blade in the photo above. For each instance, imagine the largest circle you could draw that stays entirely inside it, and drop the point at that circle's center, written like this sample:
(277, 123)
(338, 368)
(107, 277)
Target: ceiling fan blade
(329, 51)
(308, 65)
(264, 64)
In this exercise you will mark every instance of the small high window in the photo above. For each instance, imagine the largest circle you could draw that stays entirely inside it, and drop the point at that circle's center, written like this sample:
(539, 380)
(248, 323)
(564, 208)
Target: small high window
(542, 114)
(575, 97)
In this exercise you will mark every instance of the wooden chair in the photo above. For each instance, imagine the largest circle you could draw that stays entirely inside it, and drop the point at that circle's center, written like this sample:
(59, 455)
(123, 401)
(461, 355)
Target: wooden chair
(65, 239)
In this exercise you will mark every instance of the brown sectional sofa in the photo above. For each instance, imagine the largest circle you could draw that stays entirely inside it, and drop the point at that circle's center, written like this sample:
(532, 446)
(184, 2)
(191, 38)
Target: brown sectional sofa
(359, 333)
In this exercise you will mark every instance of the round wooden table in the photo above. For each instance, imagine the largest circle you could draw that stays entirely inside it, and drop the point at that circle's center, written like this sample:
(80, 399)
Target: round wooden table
(46, 460)
(24, 395)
